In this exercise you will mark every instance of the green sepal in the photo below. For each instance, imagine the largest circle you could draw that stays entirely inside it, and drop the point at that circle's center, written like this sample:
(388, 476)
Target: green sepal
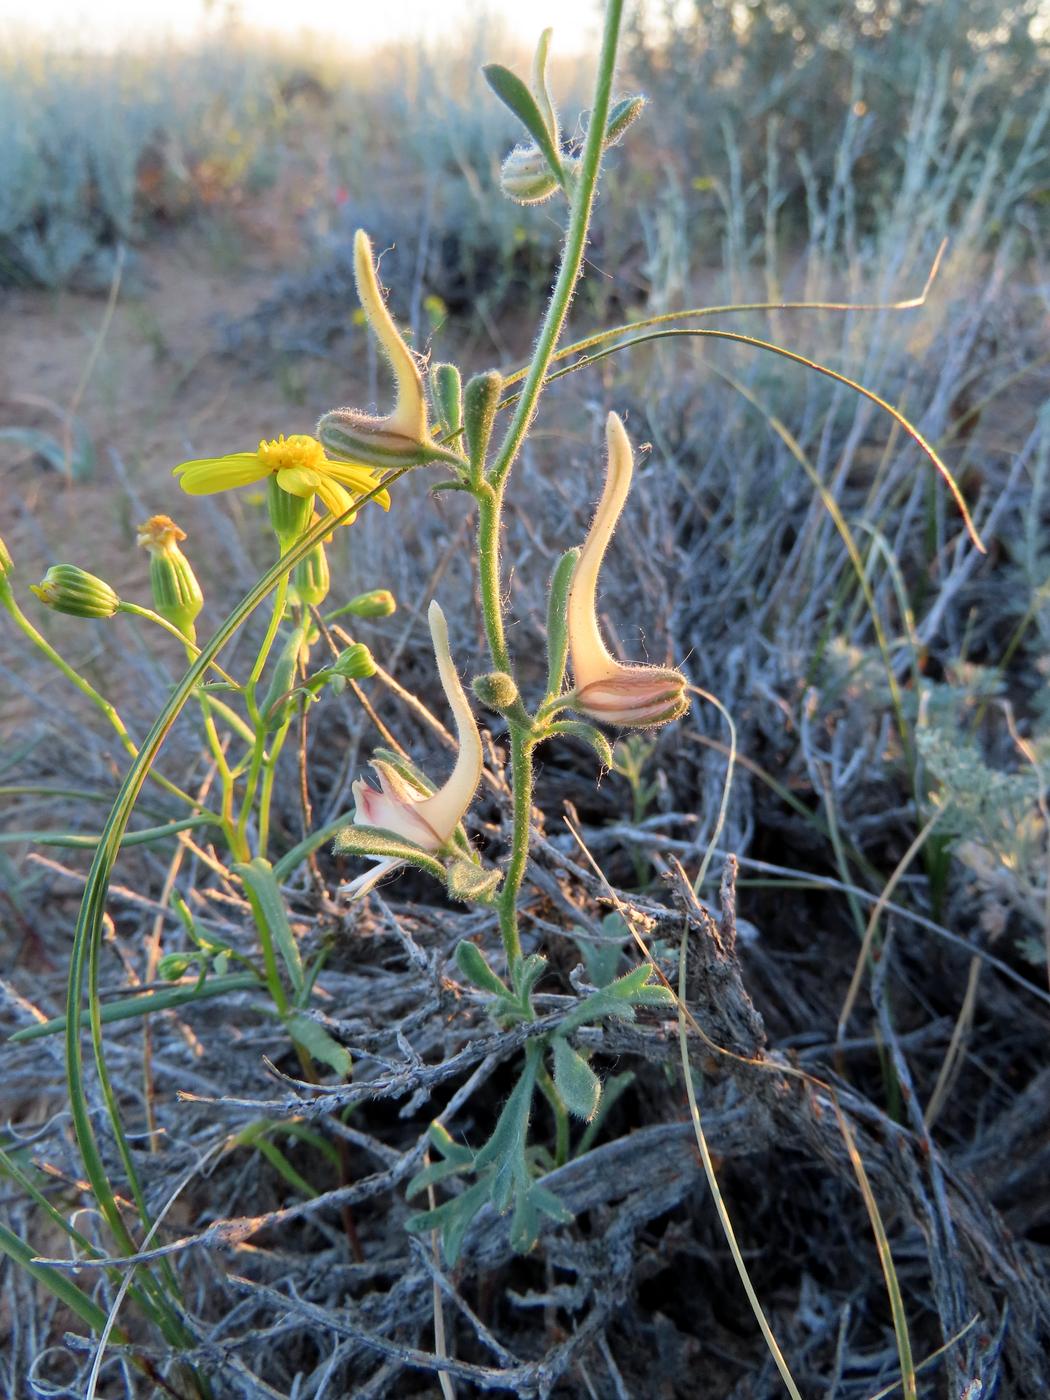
(580, 729)
(557, 621)
(513, 93)
(176, 592)
(470, 883)
(448, 398)
(473, 964)
(264, 895)
(405, 768)
(278, 699)
(579, 1086)
(289, 514)
(480, 402)
(540, 90)
(373, 841)
(311, 579)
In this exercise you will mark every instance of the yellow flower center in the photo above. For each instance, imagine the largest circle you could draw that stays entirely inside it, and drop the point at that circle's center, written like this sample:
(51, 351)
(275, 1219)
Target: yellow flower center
(300, 450)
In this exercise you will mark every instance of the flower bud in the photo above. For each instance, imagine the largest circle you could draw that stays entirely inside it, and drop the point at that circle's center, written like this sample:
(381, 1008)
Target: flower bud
(380, 602)
(525, 176)
(496, 690)
(311, 579)
(480, 403)
(67, 589)
(355, 663)
(289, 515)
(177, 595)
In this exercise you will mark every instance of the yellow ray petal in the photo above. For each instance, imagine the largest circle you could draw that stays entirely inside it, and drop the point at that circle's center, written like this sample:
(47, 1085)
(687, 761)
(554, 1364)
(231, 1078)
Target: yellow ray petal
(205, 475)
(358, 479)
(336, 500)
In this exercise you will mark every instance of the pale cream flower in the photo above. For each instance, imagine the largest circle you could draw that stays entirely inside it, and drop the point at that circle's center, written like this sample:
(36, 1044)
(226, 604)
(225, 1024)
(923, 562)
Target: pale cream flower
(399, 808)
(605, 689)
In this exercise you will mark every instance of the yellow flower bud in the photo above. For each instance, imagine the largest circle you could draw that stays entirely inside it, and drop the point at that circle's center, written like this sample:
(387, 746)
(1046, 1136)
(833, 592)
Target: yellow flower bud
(177, 595)
(68, 589)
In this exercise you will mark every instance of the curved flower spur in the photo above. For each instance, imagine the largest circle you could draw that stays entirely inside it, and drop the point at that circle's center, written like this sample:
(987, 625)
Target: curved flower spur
(402, 438)
(607, 690)
(407, 821)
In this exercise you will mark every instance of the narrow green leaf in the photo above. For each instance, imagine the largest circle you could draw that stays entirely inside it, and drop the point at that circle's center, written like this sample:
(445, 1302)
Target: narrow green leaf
(513, 93)
(318, 1043)
(58, 1283)
(473, 964)
(264, 894)
(146, 1002)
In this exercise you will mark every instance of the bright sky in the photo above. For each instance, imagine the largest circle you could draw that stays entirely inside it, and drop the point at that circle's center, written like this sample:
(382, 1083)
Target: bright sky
(361, 22)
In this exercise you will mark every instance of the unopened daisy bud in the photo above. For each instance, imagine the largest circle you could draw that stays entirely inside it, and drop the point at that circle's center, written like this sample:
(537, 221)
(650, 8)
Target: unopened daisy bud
(380, 602)
(311, 579)
(402, 438)
(289, 515)
(67, 589)
(177, 595)
(355, 663)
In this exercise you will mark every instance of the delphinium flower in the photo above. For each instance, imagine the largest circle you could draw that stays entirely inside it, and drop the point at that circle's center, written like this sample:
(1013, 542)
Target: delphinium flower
(429, 821)
(605, 689)
(401, 438)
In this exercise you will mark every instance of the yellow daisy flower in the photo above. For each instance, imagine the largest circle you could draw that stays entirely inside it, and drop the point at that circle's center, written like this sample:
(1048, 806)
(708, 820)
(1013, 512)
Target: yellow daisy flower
(298, 463)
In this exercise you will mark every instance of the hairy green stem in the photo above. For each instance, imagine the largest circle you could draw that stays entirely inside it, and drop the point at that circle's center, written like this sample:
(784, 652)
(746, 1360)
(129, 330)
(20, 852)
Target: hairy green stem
(490, 510)
(521, 745)
(490, 492)
(572, 251)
